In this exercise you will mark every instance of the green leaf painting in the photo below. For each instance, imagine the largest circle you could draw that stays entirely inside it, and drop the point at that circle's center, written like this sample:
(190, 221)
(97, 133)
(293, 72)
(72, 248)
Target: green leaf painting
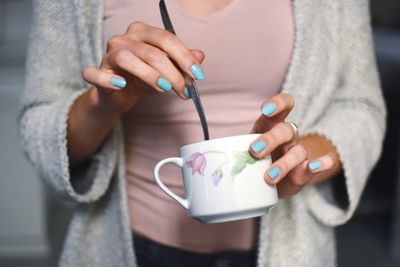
(238, 167)
(242, 159)
(249, 158)
(239, 155)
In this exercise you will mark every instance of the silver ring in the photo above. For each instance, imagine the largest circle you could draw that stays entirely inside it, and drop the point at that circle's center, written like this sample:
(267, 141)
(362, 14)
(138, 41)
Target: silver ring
(295, 130)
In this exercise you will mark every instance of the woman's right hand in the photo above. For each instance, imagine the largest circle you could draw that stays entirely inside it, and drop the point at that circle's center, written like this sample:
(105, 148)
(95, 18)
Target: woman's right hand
(144, 54)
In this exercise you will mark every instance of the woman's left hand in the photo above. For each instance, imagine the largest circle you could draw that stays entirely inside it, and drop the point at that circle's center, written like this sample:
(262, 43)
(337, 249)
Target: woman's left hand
(292, 169)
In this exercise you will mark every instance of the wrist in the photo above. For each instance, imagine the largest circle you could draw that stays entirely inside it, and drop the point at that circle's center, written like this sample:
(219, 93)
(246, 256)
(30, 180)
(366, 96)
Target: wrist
(90, 120)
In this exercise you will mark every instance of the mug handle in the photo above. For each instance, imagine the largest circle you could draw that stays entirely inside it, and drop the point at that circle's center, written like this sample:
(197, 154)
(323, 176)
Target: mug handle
(178, 162)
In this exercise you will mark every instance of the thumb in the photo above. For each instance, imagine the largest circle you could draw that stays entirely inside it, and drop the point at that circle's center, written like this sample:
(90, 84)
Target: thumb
(198, 54)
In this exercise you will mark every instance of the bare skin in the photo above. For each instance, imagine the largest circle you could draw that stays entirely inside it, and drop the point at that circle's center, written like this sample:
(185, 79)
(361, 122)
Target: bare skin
(142, 56)
(201, 8)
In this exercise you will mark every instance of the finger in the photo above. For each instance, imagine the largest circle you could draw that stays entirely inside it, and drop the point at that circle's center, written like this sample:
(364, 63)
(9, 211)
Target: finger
(320, 164)
(118, 42)
(294, 181)
(280, 168)
(102, 79)
(126, 61)
(159, 60)
(280, 134)
(278, 106)
(154, 57)
(170, 44)
(274, 110)
(303, 174)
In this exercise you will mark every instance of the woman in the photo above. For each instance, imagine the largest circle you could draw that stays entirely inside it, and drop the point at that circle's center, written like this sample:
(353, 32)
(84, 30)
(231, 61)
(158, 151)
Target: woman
(268, 53)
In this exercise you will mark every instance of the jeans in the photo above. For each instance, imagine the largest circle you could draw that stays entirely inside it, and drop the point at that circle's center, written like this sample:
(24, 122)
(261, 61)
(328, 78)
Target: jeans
(152, 254)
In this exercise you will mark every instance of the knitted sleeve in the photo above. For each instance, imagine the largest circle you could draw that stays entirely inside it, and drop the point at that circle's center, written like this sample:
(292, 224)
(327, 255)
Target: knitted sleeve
(53, 83)
(355, 118)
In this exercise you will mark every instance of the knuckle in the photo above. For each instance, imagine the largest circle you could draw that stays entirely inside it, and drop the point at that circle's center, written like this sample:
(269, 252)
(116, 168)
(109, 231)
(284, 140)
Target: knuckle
(272, 138)
(168, 38)
(288, 131)
(121, 56)
(297, 152)
(115, 42)
(284, 128)
(301, 152)
(136, 26)
(155, 56)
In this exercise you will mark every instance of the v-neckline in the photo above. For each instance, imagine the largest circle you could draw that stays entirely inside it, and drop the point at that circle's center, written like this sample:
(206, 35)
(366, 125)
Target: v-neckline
(207, 18)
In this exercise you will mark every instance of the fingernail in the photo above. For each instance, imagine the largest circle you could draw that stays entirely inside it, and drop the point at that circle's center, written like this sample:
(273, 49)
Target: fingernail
(258, 146)
(314, 165)
(118, 82)
(274, 172)
(268, 109)
(197, 72)
(164, 84)
(186, 92)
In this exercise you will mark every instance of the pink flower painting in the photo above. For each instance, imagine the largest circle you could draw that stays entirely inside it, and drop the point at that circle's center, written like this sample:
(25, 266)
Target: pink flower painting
(197, 162)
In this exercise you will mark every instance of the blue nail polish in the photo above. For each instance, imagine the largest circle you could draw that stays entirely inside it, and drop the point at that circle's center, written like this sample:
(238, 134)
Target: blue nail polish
(268, 109)
(164, 84)
(258, 146)
(118, 82)
(274, 172)
(314, 165)
(186, 92)
(197, 72)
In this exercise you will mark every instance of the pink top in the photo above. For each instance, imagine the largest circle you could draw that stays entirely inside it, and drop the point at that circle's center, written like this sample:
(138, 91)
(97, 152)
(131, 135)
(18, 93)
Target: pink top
(248, 46)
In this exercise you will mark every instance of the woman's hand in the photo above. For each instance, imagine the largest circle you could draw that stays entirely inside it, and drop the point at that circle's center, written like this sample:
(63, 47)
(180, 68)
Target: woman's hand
(296, 162)
(143, 55)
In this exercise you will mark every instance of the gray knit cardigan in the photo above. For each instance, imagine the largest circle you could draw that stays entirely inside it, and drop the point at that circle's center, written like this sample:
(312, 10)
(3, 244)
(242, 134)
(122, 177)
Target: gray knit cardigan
(332, 76)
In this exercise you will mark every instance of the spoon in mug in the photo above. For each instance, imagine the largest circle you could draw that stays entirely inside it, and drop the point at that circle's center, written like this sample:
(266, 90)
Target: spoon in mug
(190, 84)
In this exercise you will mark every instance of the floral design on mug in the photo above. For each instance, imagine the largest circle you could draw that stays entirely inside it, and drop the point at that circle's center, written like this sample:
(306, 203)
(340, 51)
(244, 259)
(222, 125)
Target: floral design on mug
(217, 176)
(242, 159)
(197, 162)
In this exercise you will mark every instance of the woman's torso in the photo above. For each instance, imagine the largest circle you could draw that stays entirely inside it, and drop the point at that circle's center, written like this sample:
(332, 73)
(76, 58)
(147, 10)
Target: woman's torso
(248, 45)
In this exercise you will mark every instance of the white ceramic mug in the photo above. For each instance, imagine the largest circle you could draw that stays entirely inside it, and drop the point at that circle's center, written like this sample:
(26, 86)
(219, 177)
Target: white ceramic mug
(222, 181)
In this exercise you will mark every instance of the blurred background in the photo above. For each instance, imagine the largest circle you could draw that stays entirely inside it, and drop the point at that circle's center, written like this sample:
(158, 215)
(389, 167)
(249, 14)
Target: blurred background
(33, 223)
